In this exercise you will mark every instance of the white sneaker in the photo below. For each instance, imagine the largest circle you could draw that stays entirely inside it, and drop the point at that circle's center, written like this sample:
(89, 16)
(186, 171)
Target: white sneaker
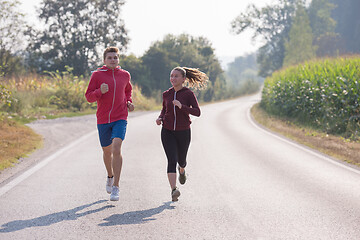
(114, 194)
(109, 184)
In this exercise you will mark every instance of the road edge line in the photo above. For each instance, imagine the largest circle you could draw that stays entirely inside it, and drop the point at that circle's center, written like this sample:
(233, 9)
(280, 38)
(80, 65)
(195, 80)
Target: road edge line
(298, 145)
(41, 164)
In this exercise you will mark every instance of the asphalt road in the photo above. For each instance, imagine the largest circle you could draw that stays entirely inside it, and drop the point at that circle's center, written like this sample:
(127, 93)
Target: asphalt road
(243, 183)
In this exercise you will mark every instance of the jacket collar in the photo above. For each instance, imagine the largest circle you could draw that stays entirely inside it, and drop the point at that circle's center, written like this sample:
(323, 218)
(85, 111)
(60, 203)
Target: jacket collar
(183, 89)
(104, 68)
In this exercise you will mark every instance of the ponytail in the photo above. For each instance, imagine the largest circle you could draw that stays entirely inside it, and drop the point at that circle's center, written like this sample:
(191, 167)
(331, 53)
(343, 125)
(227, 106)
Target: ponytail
(195, 78)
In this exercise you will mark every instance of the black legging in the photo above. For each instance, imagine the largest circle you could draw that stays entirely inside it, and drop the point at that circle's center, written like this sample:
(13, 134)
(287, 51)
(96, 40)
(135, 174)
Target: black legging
(176, 145)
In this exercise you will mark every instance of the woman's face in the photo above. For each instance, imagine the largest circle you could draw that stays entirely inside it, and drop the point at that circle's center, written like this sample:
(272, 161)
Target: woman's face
(111, 60)
(176, 78)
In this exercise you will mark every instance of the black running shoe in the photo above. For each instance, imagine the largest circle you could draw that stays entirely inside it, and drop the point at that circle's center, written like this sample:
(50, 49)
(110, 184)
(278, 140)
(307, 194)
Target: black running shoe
(182, 177)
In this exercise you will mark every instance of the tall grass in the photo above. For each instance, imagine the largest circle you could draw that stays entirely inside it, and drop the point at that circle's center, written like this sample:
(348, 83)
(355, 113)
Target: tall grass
(37, 96)
(324, 94)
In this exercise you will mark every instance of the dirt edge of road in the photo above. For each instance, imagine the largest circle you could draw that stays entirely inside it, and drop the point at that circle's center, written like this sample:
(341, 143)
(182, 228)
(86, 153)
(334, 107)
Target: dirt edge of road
(56, 133)
(337, 148)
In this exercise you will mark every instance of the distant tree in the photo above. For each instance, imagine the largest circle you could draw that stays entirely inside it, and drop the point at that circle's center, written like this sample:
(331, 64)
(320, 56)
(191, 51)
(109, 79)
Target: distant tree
(346, 14)
(182, 50)
(299, 47)
(12, 27)
(272, 23)
(323, 27)
(138, 71)
(76, 32)
(321, 22)
(242, 69)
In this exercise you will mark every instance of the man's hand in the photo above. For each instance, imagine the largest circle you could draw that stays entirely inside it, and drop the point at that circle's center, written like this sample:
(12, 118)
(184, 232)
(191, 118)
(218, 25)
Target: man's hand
(104, 88)
(130, 106)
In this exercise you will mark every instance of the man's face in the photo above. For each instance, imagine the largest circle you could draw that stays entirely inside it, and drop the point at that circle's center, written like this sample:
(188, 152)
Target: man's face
(111, 60)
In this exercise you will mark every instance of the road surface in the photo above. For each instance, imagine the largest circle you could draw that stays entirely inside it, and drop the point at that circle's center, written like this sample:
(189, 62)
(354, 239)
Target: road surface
(243, 183)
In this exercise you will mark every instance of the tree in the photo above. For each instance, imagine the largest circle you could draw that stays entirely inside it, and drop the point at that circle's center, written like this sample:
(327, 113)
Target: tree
(182, 50)
(323, 28)
(320, 17)
(346, 15)
(12, 26)
(299, 47)
(77, 32)
(242, 69)
(273, 24)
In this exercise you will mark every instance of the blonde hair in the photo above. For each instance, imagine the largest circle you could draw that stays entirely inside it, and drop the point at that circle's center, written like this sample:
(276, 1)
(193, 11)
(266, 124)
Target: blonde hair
(195, 78)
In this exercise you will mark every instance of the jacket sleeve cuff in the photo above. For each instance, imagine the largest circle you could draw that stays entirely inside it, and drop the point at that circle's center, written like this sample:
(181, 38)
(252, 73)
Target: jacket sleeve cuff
(98, 93)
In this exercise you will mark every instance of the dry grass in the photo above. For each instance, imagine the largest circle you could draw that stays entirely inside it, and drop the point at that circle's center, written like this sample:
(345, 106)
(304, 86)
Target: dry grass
(16, 141)
(338, 147)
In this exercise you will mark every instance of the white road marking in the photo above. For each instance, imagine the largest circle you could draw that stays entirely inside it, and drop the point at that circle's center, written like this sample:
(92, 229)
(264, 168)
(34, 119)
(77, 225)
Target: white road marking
(300, 147)
(41, 164)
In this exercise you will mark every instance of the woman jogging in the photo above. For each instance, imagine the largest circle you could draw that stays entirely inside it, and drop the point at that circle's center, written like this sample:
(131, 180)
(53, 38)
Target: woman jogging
(110, 87)
(178, 102)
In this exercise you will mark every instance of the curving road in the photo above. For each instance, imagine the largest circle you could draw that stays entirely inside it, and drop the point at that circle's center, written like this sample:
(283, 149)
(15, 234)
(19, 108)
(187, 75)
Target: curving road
(244, 183)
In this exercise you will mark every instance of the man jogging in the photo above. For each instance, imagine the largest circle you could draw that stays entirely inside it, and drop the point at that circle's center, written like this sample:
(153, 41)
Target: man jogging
(110, 87)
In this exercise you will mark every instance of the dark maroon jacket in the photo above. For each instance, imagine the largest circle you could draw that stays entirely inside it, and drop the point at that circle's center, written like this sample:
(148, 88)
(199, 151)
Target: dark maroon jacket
(174, 118)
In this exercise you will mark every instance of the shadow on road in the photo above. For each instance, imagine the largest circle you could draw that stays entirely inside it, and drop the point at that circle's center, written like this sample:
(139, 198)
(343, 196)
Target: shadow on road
(135, 217)
(52, 218)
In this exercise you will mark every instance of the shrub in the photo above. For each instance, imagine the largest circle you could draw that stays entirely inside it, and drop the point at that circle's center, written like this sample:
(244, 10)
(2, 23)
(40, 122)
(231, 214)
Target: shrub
(323, 93)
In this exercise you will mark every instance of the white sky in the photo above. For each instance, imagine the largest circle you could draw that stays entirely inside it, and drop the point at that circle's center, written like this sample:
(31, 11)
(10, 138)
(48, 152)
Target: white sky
(148, 21)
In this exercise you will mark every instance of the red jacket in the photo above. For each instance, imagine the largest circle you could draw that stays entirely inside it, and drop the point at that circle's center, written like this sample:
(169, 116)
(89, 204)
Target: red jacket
(174, 118)
(111, 106)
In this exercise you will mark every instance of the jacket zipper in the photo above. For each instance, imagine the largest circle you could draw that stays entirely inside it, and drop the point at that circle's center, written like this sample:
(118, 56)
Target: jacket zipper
(112, 106)
(174, 112)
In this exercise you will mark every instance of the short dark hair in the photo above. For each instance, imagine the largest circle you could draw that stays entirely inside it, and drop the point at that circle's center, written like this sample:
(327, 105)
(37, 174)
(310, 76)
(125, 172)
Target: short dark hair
(111, 49)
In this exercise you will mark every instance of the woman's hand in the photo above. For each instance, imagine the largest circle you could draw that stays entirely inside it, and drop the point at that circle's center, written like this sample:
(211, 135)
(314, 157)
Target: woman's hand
(158, 121)
(177, 103)
(130, 106)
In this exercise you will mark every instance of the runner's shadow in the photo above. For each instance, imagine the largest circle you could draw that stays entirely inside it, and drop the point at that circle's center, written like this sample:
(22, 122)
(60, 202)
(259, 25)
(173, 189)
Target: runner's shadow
(135, 217)
(47, 220)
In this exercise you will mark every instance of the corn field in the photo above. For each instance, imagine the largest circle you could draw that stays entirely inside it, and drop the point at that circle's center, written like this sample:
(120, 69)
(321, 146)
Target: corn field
(324, 94)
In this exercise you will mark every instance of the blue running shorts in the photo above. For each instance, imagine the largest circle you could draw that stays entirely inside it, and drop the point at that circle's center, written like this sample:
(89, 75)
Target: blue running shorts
(109, 131)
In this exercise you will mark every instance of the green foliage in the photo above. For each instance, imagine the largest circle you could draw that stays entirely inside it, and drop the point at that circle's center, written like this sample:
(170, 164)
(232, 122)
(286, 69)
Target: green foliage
(320, 17)
(12, 28)
(59, 94)
(69, 93)
(346, 14)
(183, 50)
(5, 98)
(76, 34)
(324, 94)
(272, 23)
(242, 69)
(323, 28)
(299, 47)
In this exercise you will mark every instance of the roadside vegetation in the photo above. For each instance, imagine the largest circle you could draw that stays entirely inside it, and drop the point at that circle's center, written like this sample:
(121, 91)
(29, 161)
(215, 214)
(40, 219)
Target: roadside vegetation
(322, 94)
(317, 104)
(52, 95)
(44, 72)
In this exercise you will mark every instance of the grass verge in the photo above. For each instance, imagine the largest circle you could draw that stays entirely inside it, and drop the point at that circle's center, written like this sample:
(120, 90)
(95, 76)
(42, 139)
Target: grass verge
(335, 146)
(16, 141)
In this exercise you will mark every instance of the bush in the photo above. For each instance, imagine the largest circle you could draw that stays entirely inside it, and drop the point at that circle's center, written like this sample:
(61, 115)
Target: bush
(324, 94)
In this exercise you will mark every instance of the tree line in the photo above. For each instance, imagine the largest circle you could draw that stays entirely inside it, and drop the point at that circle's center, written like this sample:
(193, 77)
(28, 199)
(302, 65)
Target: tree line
(74, 33)
(297, 30)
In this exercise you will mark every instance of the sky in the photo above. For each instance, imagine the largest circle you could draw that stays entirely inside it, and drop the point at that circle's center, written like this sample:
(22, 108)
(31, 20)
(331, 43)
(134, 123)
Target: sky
(148, 21)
